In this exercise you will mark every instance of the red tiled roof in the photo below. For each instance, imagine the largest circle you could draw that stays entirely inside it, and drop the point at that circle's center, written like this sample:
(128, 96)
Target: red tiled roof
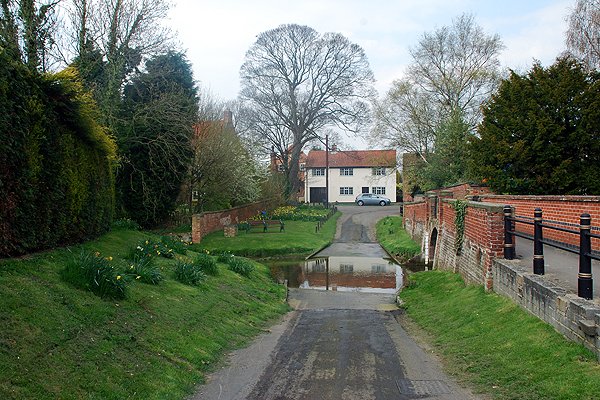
(355, 158)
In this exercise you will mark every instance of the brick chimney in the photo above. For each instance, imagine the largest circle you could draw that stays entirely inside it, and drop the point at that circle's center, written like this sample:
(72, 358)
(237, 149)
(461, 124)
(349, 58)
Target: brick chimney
(227, 119)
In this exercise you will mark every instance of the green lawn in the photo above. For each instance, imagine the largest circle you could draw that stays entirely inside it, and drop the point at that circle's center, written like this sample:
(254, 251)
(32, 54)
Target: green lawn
(394, 239)
(299, 238)
(59, 342)
(497, 347)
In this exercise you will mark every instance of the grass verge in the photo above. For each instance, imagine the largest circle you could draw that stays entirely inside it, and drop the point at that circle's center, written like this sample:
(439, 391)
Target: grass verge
(394, 239)
(495, 346)
(299, 238)
(59, 342)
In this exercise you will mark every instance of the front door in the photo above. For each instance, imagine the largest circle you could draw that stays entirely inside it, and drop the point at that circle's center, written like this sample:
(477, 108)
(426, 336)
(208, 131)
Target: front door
(318, 195)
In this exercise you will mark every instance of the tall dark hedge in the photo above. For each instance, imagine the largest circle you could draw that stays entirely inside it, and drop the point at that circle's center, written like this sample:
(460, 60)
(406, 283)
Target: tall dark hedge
(56, 162)
(541, 133)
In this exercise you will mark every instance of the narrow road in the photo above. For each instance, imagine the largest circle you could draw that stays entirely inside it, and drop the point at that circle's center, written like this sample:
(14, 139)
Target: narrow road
(336, 345)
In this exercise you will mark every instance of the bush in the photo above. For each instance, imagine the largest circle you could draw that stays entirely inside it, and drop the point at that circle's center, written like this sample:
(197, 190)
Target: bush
(144, 270)
(188, 273)
(95, 273)
(56, 162)
(125, 224)
(241, 266)
(207, 264)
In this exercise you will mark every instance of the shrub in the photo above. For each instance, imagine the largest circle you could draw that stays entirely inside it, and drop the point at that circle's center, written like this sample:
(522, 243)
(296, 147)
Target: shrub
(125, 224)
(95, 273)
(144, 270)
(56, 162)
(188, 273)
(207, 264)
(241, 266)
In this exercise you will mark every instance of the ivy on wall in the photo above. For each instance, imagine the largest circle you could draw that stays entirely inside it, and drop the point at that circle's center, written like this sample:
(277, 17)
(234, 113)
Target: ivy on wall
(460, 209)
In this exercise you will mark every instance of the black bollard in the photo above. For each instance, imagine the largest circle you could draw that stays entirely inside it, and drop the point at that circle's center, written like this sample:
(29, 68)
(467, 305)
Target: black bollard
(509, 237)
(538, 246)
(585, 286)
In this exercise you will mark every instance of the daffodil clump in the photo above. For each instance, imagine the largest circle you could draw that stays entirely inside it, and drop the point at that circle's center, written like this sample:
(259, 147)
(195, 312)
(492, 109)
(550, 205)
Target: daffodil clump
(143, 269)
(94, 272)
(166, 247)
(300, 213)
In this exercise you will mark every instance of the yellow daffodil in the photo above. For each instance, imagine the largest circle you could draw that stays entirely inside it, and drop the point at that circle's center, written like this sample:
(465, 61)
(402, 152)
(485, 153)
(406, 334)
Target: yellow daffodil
(118, 277)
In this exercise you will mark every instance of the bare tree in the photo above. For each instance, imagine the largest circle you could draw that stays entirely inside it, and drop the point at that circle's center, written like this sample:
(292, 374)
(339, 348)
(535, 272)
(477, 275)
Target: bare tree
(458, 66)
(26, 30)
(123, 33)
(454, 70)
(296, 83)
(583, 33)
(407, 118)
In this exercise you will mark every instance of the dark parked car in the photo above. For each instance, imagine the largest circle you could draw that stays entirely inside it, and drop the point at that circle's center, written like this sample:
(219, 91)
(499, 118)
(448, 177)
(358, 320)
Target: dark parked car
(372, 199)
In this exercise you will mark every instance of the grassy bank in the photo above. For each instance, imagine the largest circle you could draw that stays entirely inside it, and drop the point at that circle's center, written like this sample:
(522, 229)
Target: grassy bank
(299, 238)
(497, 347)
(394, 239)
(57, 341)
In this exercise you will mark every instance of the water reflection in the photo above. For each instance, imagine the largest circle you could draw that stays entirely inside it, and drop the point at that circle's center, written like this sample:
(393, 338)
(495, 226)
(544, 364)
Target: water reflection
(357, 274)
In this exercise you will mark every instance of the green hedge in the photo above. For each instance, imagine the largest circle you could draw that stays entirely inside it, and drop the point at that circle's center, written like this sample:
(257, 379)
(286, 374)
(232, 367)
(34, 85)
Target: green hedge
(56, 162)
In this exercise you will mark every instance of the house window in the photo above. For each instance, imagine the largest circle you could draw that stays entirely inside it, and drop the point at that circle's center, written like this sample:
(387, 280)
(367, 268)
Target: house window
(346, 190)
(195, 196)
(346, 268)
(302, 166)
(346, 171)
(318, 171)
(280, 167)
(378, 269)
(379, 171)
(378, 190)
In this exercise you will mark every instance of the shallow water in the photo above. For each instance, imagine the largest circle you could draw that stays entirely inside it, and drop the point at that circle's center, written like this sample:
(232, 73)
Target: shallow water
(341, 273)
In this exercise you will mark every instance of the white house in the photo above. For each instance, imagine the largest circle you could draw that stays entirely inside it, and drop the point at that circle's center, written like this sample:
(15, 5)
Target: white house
(350, 173)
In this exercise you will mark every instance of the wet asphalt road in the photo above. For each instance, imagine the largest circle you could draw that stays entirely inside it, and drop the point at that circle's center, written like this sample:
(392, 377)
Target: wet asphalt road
(337, 345)
(334, 354)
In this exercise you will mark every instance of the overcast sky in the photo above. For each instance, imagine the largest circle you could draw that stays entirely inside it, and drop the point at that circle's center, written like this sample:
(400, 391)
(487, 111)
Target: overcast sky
(217, 33)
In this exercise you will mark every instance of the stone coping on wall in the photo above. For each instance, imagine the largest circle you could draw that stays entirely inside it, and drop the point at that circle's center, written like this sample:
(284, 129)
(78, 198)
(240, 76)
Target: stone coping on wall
(576, 318)
(573, 198)
(493, 207)
(410, 203)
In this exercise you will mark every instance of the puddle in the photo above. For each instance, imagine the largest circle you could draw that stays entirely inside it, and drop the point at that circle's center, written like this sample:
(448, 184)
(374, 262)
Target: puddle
(341, 273)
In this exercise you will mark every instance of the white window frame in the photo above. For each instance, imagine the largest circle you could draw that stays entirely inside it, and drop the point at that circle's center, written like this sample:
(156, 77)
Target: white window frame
(346, 171)
(302, 167)
(346, 191)
(280, 168)
(378, 190)
(318, 172)
(346, 268)
(379, 171)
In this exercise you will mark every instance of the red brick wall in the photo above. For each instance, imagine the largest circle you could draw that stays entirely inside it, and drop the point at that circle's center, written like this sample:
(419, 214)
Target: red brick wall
(482, 241)
(556, 208)
(205, 223)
